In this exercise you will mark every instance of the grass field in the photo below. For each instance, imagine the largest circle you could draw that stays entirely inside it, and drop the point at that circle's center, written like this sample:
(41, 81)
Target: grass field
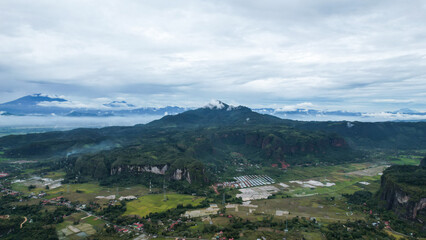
(55, 175)
(345, 176)
(407, 160)
(320, 207)
(344, 185)
(84, 192)
(95, 222)
(154, 203)
(69, 220)
(326, 204)
(301, 173)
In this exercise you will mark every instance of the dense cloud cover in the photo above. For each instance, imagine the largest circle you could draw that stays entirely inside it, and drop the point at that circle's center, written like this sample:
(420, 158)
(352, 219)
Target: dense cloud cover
(351, 55)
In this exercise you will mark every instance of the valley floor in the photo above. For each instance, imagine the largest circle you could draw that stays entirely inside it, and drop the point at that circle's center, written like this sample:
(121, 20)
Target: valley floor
(313, 194)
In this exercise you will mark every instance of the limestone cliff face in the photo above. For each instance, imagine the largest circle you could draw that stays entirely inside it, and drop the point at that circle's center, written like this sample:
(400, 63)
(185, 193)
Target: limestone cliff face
(138, 169)
(178, 174)
(399, 201)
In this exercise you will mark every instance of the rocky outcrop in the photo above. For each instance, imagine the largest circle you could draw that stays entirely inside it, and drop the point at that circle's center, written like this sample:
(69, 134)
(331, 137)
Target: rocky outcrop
(178, 174)
(398, 200)
(138, 169)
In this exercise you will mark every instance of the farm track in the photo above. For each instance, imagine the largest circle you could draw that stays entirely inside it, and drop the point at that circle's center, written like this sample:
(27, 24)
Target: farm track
(22, 224)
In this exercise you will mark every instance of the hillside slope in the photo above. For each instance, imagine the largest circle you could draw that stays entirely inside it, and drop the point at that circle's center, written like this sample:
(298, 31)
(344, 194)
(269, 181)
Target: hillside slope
(403, 189)
(386, 135)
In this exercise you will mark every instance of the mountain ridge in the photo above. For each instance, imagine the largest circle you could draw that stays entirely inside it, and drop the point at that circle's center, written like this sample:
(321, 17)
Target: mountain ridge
(45, 105)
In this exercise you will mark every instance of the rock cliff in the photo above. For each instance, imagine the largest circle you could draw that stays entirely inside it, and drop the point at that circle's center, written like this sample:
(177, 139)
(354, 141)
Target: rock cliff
(178, 174)
(403, 192)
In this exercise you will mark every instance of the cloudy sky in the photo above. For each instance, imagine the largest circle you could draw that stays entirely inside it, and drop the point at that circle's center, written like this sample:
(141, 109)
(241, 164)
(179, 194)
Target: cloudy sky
(335, 54)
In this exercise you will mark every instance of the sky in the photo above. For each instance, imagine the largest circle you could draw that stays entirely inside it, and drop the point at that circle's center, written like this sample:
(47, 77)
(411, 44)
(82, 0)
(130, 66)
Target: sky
(335, 54)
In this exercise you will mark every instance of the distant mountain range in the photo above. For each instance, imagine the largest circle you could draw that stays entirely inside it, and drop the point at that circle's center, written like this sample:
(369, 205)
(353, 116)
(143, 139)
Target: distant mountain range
(39, 104)
(303, 112)
(44, 105)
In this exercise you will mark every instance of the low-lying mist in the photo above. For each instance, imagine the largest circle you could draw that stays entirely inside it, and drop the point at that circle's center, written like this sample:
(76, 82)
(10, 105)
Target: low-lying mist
(29, 124)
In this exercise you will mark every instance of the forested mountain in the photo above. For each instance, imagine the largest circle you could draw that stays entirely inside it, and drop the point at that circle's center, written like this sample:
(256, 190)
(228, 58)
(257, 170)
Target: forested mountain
(182, 146)
(190, 144)
(403, 190)
(387, 135)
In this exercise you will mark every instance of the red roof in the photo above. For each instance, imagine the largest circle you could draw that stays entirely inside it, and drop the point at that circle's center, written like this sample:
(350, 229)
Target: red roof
(138, 224)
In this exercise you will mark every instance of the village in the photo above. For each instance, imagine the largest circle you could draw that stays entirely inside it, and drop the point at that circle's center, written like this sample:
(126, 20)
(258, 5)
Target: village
(252, 196)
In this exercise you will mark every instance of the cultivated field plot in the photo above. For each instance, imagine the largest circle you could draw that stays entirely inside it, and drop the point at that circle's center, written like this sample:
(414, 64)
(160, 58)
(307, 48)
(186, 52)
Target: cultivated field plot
(153, 203)
(84, 192)
(315, 206)
(373, 171)
(407, 159)
(88, 225)
(319, 197)
(331, 180)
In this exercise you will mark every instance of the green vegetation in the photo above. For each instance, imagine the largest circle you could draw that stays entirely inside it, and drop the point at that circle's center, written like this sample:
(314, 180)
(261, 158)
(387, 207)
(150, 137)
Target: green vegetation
(198, 142)
(359, 197)
(202, 147)
(409, 179)
(2, 159)
(354, 230)
(374, 135)
(94, 221)
(407, 160)
(154, 203)
(42, 225)
(55, 175)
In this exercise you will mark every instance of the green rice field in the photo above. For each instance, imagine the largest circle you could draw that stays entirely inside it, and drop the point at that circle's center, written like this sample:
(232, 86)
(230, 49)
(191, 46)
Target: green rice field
(154, 203)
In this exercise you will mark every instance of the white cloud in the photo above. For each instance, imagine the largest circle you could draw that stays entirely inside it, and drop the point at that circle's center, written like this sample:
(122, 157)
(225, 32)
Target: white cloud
(71, 104)
(305, 105)
(393, 116)
(352, 53)
(215, 104)
(393, 100)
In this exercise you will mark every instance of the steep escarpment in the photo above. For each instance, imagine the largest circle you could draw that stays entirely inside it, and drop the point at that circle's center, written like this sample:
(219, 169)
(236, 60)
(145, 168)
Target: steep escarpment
(367, 135)
(165, 161)
(276, 144)
(403, 190)
(189, 154)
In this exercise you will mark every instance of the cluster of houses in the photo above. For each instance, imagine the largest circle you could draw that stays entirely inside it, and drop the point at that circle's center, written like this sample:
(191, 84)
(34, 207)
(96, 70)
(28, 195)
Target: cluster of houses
(249, 181)
(8, 191)
(128, 229)
(284, 165)
(220, 236)
(174, 223)
(58, 201)
(3, 174)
